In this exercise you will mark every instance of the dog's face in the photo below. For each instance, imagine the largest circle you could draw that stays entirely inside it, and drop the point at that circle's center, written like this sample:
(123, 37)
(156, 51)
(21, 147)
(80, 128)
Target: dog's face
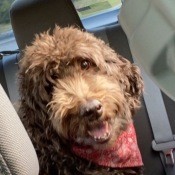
(88, 91)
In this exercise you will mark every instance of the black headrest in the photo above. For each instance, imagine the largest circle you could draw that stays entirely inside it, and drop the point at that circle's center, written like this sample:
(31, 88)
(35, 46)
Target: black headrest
(29, 17)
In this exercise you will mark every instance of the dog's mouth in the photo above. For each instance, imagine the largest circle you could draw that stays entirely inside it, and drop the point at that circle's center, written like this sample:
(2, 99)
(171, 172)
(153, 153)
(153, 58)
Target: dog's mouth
(100, 132)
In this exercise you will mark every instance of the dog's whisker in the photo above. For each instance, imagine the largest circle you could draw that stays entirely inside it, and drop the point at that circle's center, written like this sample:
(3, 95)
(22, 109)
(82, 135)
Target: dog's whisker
(67, 63)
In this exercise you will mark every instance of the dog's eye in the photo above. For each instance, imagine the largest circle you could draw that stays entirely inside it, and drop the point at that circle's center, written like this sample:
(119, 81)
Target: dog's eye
(54, 76)
(85, 64)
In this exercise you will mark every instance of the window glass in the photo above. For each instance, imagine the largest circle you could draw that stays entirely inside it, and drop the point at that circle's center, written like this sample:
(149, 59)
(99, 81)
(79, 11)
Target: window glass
(4, 15)
(87, 8)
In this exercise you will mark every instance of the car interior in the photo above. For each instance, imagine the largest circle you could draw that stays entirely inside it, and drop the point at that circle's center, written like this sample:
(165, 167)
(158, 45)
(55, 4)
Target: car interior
(31, 17)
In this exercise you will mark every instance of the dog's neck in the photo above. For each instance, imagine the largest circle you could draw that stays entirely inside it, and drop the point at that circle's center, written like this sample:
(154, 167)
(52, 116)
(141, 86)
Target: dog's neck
(124, 154)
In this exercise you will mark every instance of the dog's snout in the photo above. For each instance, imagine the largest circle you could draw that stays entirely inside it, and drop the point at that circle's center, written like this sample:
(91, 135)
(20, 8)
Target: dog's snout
(91, 109)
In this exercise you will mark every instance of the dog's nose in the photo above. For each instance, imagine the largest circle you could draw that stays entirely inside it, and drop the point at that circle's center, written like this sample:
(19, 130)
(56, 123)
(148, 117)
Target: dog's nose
(91, 109)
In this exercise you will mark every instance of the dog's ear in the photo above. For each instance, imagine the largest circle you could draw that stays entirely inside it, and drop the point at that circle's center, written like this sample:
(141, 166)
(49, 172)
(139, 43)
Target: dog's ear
(131, 82)
(37, 77)
(127, 74)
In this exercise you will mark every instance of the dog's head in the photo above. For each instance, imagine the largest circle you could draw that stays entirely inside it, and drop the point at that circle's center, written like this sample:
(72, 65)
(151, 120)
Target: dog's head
(88, 91)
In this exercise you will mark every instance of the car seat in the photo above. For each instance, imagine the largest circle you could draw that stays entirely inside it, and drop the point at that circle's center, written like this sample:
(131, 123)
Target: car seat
(17, 155)
(151, 38)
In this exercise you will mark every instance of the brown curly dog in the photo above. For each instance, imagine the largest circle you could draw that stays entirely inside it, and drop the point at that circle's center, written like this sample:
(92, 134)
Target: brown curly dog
(75, 90)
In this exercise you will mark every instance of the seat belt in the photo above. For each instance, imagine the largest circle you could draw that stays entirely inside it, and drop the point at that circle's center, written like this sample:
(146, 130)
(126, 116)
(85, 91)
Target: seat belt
(10, 69)
(2, 78)
(164, 140)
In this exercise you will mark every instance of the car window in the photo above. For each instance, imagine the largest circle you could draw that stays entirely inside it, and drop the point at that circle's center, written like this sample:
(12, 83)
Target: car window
(4, 16)
(96, 13)
(92, 7)
(93, 13)
(85, 9)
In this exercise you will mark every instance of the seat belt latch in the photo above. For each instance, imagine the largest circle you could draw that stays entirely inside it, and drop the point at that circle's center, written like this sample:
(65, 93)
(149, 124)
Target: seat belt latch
(167, 149)
(169, 157)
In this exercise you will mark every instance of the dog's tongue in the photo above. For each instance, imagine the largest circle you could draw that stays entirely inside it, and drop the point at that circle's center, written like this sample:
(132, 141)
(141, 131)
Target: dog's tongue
(99, 131)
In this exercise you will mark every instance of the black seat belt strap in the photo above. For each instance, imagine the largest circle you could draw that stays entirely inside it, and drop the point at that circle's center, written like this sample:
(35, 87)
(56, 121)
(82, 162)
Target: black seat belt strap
(2, 78)
(10, 69)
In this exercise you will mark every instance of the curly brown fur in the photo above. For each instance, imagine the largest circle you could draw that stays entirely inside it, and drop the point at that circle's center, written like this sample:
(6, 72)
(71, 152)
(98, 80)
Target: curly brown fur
(59, 74)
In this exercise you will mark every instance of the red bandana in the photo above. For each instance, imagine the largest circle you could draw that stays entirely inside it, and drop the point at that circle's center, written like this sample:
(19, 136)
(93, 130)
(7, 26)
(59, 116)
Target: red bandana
(125, 153)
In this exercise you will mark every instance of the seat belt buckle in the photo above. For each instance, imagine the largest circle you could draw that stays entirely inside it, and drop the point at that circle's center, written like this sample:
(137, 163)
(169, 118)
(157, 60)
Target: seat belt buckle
(169, 156)
(167, 149)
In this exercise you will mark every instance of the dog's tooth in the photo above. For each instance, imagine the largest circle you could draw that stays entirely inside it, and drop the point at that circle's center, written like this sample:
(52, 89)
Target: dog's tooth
(104, 136)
